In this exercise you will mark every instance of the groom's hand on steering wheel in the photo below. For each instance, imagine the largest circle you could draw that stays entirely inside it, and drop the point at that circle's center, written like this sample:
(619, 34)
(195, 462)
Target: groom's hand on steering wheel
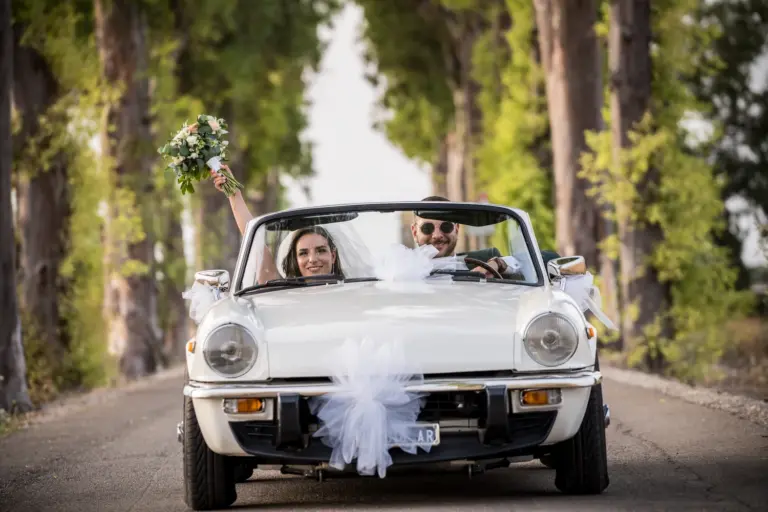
(497, 264)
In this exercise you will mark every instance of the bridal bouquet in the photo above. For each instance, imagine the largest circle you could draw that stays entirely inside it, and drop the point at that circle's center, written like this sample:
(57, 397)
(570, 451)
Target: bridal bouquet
(197, 148)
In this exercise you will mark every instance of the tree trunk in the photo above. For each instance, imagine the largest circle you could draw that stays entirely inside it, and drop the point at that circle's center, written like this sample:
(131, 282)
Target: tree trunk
(43, 200)
(176, 329)
(630, 61)
(266, 200)
(456, 161)
(14, 395)
(570, 55)
(176, 325)
(440, 167)
(126, 141)
(461, 161)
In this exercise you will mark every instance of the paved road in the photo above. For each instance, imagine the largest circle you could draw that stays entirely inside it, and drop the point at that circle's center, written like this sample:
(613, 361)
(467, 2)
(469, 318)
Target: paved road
(119, 452)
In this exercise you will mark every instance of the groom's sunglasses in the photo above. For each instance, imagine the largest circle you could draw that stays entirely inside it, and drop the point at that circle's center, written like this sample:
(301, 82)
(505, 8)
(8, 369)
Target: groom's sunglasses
(428, 227)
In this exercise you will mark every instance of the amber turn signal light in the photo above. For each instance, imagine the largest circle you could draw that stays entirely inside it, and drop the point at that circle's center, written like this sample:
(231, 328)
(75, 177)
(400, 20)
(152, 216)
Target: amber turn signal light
(243, 405)
(540, 397)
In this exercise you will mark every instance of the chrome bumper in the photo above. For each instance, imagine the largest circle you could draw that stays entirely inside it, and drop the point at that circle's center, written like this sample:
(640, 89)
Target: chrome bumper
(245, 390)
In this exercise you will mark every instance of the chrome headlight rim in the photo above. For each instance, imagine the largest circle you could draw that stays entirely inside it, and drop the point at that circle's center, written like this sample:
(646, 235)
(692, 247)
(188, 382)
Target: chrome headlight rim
(218, 328)
(551, 314)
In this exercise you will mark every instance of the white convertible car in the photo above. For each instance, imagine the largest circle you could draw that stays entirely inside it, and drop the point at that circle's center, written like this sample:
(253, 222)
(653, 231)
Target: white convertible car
(507, 359)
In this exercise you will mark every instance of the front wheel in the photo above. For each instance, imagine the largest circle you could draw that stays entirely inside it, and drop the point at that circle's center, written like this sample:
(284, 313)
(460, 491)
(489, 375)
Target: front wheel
(581, 463)
(209, 479)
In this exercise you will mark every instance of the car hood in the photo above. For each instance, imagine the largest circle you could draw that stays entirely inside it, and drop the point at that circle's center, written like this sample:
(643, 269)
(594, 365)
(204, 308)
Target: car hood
(444, 327)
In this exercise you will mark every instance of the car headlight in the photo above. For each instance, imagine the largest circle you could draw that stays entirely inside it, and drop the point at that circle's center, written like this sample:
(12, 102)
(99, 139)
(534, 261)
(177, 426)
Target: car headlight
(230, 350)
(550, 339)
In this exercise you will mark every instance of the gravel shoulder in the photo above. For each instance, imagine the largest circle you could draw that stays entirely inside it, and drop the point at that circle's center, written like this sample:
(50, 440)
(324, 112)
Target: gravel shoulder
(742, 407)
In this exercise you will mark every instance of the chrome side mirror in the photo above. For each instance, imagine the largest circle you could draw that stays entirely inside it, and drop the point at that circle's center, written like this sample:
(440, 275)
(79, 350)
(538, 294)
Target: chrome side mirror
(217, 279)
(567, 266)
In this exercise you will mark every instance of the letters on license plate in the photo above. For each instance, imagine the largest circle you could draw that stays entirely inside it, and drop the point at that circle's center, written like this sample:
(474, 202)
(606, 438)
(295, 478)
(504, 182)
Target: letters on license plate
(421, 435)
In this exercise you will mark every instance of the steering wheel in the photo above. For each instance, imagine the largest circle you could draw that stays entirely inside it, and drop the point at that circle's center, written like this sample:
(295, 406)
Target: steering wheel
(484, 265)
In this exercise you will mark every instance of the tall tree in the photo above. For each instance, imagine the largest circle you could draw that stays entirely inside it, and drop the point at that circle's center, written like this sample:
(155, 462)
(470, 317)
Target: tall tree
(515, 158)
(570, 55)
(14, 395)
(130, 300)
(643, 293)
(667, 194)
(44, 200)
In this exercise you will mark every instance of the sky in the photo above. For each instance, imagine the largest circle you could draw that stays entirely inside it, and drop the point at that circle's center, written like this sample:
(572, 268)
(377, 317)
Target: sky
(353, 162)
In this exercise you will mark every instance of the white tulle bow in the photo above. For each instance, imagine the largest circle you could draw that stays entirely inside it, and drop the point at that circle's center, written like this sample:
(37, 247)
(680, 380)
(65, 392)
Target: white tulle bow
(371, 411)
(202, 297)
(583, 290)
(399, 263)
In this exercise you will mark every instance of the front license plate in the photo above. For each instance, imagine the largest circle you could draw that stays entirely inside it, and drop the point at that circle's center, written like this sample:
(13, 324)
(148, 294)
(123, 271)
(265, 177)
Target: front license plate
(422, 435)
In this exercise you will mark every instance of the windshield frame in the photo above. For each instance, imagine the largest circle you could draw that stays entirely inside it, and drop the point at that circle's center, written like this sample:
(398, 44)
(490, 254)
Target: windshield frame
(384, 207)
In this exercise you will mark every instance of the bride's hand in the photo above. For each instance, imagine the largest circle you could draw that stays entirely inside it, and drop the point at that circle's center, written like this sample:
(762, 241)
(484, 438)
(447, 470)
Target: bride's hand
(219, 179)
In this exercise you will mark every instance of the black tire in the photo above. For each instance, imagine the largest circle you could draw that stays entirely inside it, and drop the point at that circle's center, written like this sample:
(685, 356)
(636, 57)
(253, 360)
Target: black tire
(581, 462)
(242, 473)
(209, 479)
(548, 460)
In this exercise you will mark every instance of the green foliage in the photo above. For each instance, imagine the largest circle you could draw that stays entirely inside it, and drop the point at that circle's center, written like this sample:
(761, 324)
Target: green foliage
(515, 122)
(409, 55)
(84, 267)
(740, 155)
(255, 78)
(685, 202)
(63, 34)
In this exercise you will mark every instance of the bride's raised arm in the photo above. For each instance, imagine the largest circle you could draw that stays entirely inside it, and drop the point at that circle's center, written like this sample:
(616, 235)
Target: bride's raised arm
(267, 269)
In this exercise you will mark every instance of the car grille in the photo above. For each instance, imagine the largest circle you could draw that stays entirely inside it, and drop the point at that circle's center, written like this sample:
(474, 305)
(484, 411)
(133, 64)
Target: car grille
(449, 405)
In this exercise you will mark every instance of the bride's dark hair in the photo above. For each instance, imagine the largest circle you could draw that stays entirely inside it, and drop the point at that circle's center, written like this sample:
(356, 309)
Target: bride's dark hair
(291, 261)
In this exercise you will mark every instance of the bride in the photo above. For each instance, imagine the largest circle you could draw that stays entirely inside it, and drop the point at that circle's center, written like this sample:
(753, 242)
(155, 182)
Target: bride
(316, 250)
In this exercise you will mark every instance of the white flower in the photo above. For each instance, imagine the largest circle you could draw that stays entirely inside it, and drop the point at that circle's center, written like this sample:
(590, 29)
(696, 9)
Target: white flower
(193, 155)
(213, 124)
(191, 140)
(225, 143)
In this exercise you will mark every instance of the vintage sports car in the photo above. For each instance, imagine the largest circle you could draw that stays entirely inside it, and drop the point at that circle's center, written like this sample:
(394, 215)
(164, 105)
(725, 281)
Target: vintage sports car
(502, 363)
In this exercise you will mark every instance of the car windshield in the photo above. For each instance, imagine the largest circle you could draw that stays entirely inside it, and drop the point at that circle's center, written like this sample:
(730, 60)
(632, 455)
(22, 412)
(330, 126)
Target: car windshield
(315, 246)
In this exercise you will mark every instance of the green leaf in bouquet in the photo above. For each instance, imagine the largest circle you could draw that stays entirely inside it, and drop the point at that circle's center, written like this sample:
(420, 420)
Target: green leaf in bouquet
(204, 130)
(184, 151)
(200, 164)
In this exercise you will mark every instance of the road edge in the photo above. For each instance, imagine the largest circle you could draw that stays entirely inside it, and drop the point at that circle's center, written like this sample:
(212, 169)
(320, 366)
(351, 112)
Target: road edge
(744, 407)
(70, 404)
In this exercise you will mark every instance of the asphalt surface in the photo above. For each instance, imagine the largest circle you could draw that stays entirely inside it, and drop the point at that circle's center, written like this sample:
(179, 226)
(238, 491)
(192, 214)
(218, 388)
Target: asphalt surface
(118, 452)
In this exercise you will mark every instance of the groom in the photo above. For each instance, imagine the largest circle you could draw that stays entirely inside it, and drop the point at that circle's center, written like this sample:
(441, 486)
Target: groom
(444, 236)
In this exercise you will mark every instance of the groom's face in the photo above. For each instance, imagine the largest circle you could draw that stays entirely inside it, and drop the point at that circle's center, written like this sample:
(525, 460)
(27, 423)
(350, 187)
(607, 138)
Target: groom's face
(442, 235)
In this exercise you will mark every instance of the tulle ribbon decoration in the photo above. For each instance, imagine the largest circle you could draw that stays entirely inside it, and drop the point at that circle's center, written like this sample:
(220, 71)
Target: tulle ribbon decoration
(202, 297)
(583, 290)
(399, 263)
(371, 411)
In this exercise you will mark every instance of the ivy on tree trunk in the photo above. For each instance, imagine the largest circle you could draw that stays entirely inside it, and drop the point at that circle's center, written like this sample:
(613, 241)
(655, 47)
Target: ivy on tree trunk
(130, 298)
